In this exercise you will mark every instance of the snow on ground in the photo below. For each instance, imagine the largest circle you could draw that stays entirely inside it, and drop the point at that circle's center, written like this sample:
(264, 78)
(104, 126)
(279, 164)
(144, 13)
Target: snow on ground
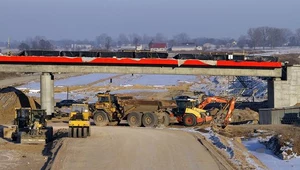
(72, 81)
(268, 158)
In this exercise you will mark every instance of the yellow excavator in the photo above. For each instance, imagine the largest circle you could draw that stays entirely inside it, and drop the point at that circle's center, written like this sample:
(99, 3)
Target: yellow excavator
(79, 124)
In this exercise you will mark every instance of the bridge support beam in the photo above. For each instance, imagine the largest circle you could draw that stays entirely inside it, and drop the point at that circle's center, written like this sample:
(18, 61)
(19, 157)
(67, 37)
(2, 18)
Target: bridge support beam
(284, 93)
(47, 93)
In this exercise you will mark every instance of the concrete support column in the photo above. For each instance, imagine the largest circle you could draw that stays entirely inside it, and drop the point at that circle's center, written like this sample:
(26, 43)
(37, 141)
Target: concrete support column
(47, 94)
(284, 93)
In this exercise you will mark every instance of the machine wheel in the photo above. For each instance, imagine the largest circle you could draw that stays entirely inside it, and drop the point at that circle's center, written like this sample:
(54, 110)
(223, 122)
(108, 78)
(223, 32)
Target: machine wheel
(84, 132)
(49, 134)
(150, 120)
(70, 132)
(100, 118)
(19, 137)
(134, 119)
(80, 132)
(74, 132)
(189, 120)
(166, 119)
(89, 131)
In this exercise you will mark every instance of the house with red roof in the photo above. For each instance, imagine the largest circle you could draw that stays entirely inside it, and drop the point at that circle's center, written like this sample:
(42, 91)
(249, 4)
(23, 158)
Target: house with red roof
(158, 47)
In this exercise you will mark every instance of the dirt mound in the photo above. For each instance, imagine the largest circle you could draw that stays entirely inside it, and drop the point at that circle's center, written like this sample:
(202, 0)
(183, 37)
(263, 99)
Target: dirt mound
(11, 98)
(241, 116)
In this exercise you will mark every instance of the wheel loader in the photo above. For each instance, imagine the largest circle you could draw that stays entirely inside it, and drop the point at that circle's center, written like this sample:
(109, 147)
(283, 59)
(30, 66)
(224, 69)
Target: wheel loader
(30, 126)
(187, 113)
(79, 124)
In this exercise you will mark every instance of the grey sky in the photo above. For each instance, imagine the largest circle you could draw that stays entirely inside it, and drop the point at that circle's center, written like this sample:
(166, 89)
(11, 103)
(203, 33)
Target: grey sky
(79, 19)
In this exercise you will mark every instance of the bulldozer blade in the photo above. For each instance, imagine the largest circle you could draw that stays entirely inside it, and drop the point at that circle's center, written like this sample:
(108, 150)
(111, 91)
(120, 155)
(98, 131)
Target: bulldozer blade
(7, 132)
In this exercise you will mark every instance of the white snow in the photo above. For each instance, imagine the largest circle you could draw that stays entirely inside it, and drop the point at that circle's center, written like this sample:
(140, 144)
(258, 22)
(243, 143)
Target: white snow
(268, 158)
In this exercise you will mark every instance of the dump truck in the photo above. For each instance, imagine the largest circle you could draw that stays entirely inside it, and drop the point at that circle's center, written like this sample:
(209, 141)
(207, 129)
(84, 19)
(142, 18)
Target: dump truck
(112, 109)
(30, 126)
(79, 123)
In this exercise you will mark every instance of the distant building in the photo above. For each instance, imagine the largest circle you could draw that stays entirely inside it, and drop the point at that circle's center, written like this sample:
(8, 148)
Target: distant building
(186, 47)
(159, 47)
(131, 47)
(209, 46)
(81, 47)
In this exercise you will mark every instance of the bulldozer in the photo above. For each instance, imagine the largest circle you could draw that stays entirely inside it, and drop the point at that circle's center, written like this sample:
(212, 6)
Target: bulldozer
(30, 127)
(79, 124)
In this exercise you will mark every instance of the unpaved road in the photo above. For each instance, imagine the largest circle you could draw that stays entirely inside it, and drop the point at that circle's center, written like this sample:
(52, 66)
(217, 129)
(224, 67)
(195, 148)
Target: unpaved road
(134, 148)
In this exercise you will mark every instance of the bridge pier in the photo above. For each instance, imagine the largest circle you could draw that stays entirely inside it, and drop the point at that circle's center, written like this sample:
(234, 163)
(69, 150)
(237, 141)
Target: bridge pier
(47, 93)
(284, 93)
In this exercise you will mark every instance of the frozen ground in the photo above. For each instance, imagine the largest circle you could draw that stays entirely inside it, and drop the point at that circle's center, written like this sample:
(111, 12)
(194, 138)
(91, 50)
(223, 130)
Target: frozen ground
(72, 81)
(268, 158)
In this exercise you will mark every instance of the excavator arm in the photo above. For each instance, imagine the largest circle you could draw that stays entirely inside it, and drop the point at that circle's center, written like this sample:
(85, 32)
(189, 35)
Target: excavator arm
(208, 100)
(222, 118)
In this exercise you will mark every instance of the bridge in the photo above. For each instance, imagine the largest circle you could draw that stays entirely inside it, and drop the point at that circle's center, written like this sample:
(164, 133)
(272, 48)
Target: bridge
(283, 89)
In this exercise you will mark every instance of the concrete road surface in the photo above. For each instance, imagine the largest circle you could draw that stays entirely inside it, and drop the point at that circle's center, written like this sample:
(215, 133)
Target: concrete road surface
(113, 148)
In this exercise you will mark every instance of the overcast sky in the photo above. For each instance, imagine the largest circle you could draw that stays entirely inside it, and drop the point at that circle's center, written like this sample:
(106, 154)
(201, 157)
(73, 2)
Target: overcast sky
(79, 19)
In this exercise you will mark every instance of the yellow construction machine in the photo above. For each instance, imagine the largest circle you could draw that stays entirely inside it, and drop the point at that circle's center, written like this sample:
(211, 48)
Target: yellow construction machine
(30, 126)
(79, 124)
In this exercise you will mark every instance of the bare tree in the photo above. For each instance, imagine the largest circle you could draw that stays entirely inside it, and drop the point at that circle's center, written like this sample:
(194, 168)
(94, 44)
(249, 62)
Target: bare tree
(123, 39)
(181, 38)
(159, 37)
(24, 46)
(108, 42)
(100, 40)
(255, 37)
(297, 36)
(135, 39)
(242, 41)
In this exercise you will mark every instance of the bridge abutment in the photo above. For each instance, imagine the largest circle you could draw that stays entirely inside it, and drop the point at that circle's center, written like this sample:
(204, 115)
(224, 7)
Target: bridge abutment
(47, 93)
(284, 93)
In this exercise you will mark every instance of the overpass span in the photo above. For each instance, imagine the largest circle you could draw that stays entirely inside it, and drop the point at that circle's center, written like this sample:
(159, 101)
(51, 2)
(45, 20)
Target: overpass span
(139, 66)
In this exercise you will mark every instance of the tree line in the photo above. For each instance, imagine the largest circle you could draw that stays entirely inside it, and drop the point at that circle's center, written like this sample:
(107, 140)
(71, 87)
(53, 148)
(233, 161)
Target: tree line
(255, 37)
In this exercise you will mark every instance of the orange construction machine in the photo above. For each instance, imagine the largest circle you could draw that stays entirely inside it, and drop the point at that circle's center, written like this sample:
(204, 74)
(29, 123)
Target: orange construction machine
(223, 116)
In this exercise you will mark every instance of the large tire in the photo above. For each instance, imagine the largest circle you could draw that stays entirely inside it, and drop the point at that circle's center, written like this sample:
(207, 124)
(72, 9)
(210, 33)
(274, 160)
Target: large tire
(84, 132)
(101, 118)
(80, 132)
(166, 119)
(134, 119)
(150, 120)
(89, 131)
(189, 120)
(49, 134)
(70, 132)
(74, 133)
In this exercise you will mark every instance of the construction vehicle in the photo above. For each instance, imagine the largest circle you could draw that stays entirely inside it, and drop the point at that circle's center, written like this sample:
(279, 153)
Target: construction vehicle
(79, 123)
(30, 127)
(112, 109)
(187, 112)
(223, 116)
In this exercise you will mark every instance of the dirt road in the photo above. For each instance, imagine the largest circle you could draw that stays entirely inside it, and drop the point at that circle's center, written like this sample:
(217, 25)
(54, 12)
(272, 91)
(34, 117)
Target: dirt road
(134, 148)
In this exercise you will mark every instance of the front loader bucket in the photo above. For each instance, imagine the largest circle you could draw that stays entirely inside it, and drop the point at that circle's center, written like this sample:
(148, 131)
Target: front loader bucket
(7, 132)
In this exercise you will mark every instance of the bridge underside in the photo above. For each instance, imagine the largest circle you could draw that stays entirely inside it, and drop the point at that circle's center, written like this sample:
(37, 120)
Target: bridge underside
(277, 72)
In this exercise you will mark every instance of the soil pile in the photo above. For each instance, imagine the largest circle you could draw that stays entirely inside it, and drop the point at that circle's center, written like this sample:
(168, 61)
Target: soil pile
(11, 98)
(241, 116)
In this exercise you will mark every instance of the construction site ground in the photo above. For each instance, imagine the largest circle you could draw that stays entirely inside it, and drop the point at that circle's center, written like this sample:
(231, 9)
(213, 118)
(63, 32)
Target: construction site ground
(174, 147)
